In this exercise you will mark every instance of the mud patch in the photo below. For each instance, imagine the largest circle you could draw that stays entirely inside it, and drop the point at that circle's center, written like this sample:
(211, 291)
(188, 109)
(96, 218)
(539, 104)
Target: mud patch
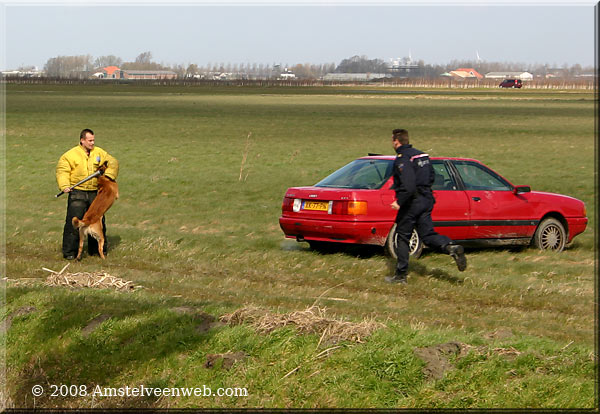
(184, 310)
(225, 361)
(311, 320)
(91, 327)
(204, 320)
(436, 358)
(22, 311)
(500, 333)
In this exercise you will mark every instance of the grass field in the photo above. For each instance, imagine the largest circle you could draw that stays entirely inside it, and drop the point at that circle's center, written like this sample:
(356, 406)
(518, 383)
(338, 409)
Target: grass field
(201, 241)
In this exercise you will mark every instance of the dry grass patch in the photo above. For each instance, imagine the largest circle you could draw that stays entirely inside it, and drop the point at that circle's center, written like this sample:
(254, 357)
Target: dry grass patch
(97, 280)
(312, 320)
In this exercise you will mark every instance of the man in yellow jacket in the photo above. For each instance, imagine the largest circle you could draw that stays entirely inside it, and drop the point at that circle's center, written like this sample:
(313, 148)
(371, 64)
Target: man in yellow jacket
(73, 166)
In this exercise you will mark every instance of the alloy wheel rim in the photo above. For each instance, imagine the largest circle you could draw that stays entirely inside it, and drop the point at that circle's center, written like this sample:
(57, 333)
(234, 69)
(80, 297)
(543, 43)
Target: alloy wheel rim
(551, 238)
(413, 242)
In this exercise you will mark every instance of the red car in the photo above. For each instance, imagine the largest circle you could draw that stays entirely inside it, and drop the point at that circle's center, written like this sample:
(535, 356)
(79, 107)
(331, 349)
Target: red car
(474, 206)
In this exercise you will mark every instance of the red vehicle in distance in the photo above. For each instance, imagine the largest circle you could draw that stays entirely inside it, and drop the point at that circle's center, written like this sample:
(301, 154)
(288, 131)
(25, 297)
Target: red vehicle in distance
(511, 83)
(474, 206)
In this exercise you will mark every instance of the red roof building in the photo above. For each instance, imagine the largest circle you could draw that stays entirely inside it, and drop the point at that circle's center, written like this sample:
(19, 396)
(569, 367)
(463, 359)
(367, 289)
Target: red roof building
(111, 72)
(466, 73)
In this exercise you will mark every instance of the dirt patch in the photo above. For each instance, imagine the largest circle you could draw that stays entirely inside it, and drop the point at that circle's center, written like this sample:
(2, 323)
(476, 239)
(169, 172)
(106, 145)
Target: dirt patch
(225, 361)
(311, 320)
(24, 310)
(500, 333)
(205, 320)
(436, 358)
(93, 324)
(206, 325)
(509, 353)
(184, 310)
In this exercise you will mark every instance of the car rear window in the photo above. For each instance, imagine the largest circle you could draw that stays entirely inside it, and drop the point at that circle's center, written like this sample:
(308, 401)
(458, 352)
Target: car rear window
(360, 174)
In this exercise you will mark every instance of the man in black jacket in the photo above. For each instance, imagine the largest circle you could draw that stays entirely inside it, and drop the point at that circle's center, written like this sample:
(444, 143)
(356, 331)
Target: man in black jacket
(413, 177)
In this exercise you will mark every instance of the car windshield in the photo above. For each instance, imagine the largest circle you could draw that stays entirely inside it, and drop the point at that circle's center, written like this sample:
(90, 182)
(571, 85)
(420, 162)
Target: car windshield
(360, 174)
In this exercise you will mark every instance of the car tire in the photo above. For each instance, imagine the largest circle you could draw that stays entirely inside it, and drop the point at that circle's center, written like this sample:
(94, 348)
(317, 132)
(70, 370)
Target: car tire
(415, 244)
(550, 235)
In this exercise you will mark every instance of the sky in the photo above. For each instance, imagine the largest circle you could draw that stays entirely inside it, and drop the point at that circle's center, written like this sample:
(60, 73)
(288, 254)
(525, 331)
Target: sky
(298, 32)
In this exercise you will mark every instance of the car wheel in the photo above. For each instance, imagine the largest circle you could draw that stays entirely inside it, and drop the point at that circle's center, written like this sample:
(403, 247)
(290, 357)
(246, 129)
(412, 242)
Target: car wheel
(550, 235)
(415, 246)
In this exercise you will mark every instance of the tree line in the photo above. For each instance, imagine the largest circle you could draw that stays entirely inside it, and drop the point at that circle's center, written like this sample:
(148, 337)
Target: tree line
(83, 66)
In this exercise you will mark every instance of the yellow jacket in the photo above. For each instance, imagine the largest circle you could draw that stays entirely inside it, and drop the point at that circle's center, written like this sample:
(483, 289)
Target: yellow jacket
(75, 165)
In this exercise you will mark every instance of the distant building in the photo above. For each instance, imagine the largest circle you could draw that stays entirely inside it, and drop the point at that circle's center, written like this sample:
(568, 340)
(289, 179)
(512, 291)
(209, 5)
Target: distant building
(556, 73)
(509, 75)
(466, 73)
(588, 75)
(113, 72)
(33, 73)
(404, 67)
(147, 74)
(357, 77)
(110, 72)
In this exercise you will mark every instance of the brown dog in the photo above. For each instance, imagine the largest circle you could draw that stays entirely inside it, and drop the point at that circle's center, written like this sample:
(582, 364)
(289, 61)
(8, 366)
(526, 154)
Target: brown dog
(91, 223)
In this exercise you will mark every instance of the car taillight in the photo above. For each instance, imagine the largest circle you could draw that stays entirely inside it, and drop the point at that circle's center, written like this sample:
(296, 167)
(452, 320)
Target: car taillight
(350, 208)
(288, 204)
(338, 207)
(356, 208)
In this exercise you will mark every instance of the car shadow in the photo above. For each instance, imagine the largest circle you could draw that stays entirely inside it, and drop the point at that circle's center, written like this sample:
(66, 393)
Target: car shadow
(360, 251)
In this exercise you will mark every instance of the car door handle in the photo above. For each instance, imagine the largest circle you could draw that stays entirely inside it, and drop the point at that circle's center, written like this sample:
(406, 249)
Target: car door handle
(476, 199)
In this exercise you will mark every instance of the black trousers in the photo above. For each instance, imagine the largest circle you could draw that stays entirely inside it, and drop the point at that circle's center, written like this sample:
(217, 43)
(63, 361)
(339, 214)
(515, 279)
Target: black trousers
(78, 203)
(416, 214)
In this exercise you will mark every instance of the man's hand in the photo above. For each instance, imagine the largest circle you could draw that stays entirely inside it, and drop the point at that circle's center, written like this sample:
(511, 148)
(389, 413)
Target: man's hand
(395, 205)
(66, 190)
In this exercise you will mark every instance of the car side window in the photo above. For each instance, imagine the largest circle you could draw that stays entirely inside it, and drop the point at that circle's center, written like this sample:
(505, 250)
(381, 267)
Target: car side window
(442, 180)
(477, 177)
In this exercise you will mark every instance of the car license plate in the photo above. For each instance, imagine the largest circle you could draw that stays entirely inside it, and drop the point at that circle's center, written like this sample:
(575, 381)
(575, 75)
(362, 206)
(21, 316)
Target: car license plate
(316, 205)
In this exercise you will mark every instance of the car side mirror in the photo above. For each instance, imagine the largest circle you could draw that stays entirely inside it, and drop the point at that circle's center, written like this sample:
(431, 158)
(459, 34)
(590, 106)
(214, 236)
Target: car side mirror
(519, 189)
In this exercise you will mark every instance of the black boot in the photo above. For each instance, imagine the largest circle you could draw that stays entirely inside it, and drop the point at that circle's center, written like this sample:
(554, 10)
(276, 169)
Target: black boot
(397, 278)
(458, 254)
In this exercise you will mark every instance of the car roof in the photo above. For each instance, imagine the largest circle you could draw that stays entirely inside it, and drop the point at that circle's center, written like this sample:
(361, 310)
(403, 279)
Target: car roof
(391, 157)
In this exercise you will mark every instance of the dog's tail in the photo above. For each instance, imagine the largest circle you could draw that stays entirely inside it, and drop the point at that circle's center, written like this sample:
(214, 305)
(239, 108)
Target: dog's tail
(77, 223)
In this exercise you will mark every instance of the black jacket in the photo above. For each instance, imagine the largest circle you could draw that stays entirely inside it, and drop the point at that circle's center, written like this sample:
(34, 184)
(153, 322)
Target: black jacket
(413, 174)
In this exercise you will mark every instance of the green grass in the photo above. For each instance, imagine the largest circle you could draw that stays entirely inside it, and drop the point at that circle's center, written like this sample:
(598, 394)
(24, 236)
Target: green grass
(193, 234)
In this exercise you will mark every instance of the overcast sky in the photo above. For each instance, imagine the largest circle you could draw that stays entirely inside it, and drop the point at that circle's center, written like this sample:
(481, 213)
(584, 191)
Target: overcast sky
(291, 33)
